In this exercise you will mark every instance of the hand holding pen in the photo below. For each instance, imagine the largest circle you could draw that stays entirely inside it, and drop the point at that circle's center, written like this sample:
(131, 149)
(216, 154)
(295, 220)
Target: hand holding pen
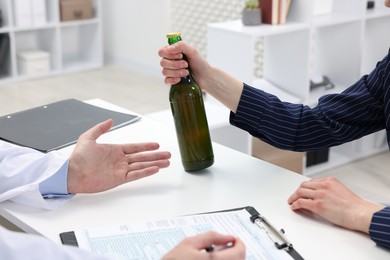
(210, 245)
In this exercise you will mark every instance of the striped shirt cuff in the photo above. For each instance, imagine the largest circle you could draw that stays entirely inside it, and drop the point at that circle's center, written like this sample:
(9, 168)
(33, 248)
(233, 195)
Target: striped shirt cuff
(380, 227)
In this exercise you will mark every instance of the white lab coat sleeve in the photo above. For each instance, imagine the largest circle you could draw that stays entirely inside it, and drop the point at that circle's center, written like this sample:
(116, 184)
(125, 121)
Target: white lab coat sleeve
(21, 171)
(18, 245)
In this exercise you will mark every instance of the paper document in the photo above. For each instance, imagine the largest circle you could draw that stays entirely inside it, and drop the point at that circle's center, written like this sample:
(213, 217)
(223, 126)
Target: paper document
(152, 239)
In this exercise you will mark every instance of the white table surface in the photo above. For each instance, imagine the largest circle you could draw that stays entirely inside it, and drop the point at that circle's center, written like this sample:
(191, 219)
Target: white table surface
(235, 180)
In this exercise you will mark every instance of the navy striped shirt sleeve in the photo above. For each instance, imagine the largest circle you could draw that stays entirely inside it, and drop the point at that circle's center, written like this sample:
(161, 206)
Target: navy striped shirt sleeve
(337, 118)
(380, 227)
(362, 109)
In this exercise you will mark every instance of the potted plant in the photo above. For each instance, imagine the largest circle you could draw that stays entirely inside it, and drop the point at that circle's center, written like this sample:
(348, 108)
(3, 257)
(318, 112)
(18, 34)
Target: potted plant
(251, 15)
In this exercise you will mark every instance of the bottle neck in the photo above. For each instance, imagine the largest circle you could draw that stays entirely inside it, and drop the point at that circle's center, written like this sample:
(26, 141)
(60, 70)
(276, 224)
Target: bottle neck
(174, 40)
(187, 79)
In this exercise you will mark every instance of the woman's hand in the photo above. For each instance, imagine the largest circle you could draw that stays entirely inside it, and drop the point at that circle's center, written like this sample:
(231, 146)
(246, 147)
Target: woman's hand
(332, 200)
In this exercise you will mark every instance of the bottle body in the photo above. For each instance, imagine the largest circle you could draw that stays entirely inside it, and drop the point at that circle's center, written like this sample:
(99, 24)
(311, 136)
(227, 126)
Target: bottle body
(191, 125)
(192, 130)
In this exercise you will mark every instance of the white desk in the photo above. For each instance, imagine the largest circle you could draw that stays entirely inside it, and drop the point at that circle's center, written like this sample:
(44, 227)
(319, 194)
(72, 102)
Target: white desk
(235, 180)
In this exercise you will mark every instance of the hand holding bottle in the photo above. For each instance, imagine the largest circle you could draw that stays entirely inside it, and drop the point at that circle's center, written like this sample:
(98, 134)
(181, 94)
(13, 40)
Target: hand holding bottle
(210, 79)
(174, 67)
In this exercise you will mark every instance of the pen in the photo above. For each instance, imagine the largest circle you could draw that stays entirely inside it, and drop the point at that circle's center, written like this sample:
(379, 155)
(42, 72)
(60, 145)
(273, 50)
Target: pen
(212, 248)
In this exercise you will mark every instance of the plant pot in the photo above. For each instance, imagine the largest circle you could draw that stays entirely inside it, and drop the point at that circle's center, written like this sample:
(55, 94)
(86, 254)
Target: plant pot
(251, 17)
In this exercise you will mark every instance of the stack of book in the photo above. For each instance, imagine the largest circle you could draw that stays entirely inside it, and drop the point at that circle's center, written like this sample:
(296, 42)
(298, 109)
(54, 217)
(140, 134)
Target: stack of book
(274, 11)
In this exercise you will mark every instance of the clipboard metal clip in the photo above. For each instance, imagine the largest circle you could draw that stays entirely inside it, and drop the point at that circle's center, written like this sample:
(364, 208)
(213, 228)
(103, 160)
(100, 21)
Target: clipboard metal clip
(280, 241)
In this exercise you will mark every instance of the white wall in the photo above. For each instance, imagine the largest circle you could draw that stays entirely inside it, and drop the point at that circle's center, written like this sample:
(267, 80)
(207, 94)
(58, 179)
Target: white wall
(133, 31)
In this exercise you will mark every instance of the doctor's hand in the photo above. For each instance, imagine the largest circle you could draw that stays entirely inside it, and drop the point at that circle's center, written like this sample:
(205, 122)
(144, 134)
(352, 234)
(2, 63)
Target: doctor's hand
(194, 248)
(97, 167)
(332, 200)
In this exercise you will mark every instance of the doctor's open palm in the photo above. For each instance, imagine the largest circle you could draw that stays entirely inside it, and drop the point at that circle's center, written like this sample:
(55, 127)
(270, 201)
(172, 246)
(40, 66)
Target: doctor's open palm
(95, 167)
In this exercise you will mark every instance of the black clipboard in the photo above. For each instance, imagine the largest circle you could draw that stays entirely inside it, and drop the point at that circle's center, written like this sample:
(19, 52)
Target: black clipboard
(57, 125)
(277, 236)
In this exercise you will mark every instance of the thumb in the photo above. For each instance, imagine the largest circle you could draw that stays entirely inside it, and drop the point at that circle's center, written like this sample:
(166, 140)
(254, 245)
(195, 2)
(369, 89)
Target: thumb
(96, 131)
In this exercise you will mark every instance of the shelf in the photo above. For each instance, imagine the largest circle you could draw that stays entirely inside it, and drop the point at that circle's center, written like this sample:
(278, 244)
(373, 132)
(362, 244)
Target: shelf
(352, 151)
(377, 13)
(342, 45)
(72, 45)
(236, 26)
(80, 46)
(42, 39)
(80, 22)
(79, 65)
(4, 29)
(35, 28)
(334, 19)
(335, 160)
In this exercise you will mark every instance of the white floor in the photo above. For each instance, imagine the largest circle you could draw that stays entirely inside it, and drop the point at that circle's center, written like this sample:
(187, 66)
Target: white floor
(145, 94)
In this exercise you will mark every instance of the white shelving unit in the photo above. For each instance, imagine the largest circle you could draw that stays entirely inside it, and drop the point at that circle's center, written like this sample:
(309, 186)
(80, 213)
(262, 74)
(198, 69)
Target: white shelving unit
(342, 45)
(72, 45)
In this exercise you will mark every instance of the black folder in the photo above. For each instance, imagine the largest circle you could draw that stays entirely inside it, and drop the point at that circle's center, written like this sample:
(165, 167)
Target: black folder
(277, 236)
(56, 125)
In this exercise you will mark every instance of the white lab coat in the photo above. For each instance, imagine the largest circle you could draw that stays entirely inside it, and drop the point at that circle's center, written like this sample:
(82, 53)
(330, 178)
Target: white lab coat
(16, 245)
(21, 171)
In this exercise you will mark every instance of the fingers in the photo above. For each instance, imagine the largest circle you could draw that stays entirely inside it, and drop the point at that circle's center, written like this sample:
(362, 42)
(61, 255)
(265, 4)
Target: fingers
(132, 148)
(305, 190)
(174, 67)
(174, 74)
(138, 160)
(143, 165)
(173, 70)
(147, 157)
(174, 51)
(139, 174)
(307, 204)
(238, 248)
(309, 189)
(171, 81)
(146, 164)
(310, 194)
(205, 240)
(96, 131)
(182, 47)
(236, 251)
(302, 194)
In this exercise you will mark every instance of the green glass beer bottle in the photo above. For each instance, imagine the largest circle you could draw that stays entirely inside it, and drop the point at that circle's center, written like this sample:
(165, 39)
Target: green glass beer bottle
(189, 114)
